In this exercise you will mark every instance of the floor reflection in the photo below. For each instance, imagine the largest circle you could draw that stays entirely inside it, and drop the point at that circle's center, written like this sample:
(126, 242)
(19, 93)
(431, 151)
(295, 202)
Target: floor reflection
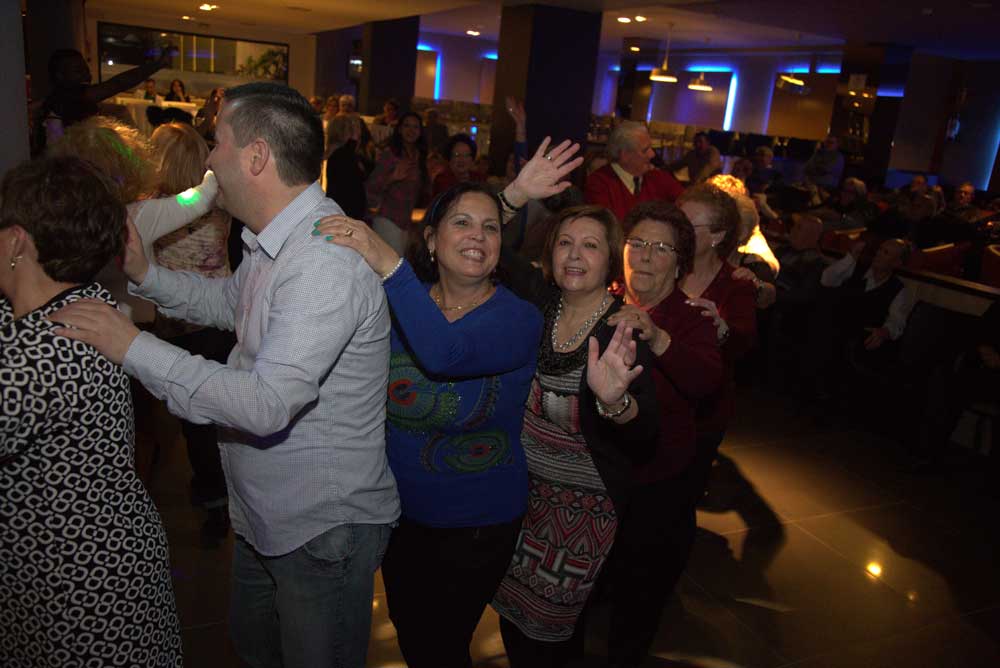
(781, 574)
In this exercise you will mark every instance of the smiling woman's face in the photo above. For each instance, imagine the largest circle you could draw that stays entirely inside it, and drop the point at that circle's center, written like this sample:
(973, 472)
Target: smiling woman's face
(466, 242)
(580, 256)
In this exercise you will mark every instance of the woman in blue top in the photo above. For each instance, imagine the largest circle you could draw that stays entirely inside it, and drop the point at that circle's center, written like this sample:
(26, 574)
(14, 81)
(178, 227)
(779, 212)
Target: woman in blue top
(463, 357)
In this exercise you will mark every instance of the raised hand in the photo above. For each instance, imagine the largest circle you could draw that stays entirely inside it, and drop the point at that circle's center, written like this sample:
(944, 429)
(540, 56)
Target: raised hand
(542, 176)
(516, 110)
(610, 374)
(354, 234)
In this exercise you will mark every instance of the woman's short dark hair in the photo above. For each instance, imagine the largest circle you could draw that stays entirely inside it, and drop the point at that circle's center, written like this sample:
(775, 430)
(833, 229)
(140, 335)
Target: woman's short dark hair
(282, 117)
(667, 214)
(723, 212)
(455, 140)
(418, 253)
(612, 232)
(70, 210)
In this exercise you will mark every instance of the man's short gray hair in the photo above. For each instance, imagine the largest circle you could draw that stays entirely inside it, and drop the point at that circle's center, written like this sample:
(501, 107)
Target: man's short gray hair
(622, 138)
(857, 186)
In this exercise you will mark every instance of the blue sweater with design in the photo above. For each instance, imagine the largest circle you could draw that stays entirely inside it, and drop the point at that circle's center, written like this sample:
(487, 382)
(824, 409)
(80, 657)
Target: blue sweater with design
(456, 403)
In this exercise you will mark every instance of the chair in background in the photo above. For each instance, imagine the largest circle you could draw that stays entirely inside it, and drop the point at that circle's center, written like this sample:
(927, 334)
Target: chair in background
(990, 271)
(944, 259)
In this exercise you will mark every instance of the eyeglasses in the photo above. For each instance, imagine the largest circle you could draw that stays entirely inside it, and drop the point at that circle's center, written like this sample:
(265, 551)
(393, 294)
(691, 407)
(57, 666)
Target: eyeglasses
(661, 248)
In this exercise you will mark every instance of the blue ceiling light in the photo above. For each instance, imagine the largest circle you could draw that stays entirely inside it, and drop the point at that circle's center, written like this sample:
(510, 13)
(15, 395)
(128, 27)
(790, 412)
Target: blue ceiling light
(828, 69)
(425, 47)
(890, 91)
(490, 55)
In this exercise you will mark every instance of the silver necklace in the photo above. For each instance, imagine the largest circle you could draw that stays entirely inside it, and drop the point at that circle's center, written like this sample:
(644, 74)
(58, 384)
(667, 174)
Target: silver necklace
(572, 341)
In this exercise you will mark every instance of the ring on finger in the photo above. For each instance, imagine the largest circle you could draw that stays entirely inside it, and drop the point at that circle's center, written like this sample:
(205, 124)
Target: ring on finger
(548, 157)
(349, 232)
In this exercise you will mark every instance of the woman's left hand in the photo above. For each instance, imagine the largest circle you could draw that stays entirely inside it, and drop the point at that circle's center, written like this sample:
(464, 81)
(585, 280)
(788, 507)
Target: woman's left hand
(542, 176)
(710, 310)
(354, 234)
(609, 374)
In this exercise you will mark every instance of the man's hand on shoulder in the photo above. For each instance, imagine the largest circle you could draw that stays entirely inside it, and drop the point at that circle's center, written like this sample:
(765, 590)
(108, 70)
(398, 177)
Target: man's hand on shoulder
(98, 324)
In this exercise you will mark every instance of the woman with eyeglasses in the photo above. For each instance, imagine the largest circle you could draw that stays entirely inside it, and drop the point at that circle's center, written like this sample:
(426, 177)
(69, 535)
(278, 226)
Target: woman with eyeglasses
(657, 531)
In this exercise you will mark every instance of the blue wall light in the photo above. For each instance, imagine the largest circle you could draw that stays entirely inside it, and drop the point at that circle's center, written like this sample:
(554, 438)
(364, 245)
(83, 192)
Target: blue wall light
(727, 121)
(828, 69)
(425, 47)
(890, 91)
(696, 67)
(490, 55)
(437, 78)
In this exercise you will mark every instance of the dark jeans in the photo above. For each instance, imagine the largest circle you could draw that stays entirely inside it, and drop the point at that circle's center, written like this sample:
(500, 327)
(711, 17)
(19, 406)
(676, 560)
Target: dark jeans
(312, 607)
(208, 485)
(525, 652)
(438, 581)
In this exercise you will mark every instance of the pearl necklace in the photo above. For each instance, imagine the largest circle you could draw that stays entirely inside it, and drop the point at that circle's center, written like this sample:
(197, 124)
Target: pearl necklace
(449, 309)
(572, 341)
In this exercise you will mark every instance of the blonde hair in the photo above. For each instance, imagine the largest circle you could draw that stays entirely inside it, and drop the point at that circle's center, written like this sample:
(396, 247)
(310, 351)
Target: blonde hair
(729, 184)
(181, 155)
(119, 151)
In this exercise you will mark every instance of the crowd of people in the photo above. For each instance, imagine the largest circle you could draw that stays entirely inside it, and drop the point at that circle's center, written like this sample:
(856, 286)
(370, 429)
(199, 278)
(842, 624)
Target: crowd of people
(515, 402)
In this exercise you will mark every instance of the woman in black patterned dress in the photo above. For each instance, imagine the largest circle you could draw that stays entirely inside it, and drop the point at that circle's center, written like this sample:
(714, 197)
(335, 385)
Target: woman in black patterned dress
(84, 571)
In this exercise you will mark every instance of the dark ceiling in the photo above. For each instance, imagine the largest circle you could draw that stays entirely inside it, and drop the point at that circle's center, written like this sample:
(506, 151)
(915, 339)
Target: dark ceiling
(966, 29)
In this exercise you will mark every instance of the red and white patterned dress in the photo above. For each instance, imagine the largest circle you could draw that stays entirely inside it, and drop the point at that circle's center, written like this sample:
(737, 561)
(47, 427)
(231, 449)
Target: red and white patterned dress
(571, 522)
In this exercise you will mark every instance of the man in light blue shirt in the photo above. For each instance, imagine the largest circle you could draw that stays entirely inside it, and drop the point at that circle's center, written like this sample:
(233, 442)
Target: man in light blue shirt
(301, 401)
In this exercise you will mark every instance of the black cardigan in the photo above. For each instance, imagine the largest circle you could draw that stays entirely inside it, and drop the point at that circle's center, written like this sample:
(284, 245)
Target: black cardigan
(616, 448)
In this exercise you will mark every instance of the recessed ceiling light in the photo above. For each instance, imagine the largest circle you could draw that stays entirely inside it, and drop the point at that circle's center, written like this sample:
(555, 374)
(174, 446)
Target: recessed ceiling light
(640, 19)
(186, 18)
(208, 8)
(163, 34)
(634, 49)
(472, 33)
(624, 19)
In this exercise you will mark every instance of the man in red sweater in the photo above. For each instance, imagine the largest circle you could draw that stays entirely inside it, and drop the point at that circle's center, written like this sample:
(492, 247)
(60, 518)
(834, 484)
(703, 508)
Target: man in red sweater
(630, 178)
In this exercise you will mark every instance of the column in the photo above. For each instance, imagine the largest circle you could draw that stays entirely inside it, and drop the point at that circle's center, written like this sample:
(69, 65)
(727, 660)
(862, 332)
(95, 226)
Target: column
(334, 50)
(389, 55)
(14, 112)
(51, 25)
(548, 59)
(866, 121)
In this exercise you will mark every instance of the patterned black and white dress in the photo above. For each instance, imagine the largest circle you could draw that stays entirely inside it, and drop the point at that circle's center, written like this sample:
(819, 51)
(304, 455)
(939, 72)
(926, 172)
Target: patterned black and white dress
(84, 569)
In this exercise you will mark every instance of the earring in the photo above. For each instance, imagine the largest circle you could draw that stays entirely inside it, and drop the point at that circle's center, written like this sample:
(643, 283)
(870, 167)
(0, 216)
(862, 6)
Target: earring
(677, 273)
(432, 256)
(14, 260)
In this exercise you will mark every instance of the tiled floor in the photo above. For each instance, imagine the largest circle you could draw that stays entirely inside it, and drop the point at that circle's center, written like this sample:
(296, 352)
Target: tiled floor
(815, 551)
